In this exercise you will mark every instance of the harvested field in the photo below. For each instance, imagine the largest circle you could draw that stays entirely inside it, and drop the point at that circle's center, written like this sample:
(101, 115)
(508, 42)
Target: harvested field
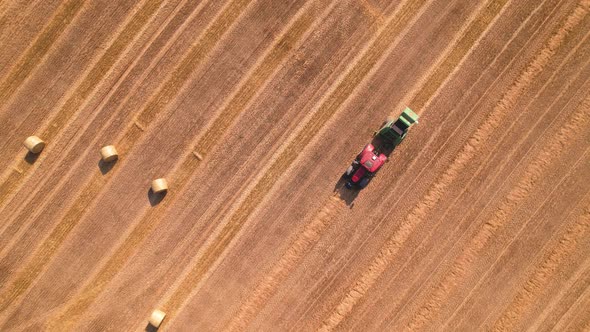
(251, 110)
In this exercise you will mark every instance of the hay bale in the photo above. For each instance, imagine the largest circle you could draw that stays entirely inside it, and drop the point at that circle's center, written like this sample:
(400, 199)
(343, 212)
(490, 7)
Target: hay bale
(159, 185)
(109, 153)
(34, 144)
(156, 318)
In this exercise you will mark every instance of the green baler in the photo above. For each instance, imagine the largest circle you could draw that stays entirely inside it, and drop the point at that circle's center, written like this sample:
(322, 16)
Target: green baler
(393, 131)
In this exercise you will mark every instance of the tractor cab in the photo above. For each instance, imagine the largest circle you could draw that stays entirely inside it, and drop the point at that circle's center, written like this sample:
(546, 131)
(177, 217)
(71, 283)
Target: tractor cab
(370, 159)
(394, 131)
(364, 167)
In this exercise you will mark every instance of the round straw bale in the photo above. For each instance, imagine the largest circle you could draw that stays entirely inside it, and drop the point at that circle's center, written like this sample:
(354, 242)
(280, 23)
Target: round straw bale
(34, 144)
(159, 185)
(157, 317)
(109, 153)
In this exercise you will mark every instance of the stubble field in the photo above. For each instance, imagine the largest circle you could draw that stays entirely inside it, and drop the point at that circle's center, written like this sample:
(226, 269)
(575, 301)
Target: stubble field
(479, 221)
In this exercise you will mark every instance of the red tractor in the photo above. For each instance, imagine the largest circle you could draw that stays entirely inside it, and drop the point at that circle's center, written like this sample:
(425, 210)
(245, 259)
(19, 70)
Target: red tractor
(368, 162)
(364, 167)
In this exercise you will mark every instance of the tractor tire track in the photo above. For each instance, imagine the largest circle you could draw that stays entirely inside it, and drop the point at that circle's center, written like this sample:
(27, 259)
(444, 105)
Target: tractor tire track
(16, 226)
(360, 69)
(567, 296)
(132, 134)
(544, 272)
(426, 167)
(467, 187)
(303, 242)
(500, 218)
(482, 134)
(452, 60)
(577, 314)
(39, 48)
(147, 222)
(223, 208)
(555, 117)
(17, 39)
(84, 89)
(501, 255)
(248, 310)
(549, 83)
(12, 231)
(131, 124)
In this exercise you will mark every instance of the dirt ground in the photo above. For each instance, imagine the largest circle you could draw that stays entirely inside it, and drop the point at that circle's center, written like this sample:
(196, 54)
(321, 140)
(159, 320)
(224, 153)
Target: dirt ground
(479, 221)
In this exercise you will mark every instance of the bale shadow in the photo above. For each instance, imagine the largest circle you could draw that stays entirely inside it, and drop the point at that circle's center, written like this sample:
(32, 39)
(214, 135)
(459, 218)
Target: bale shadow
(106, 167)
(150, 328)
(155, 198)
(31, 157)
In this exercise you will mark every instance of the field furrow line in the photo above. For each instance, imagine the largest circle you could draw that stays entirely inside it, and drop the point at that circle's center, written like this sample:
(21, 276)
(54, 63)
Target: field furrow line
(373, 12)
(39, 48)
(506, 247)
(556, 117)
(11, 231)
(360, 68)
(544, 272)
(557, 307)
(576, 317)
(216, 213)
(251, 87)
(131, 136)
(13, 16)
(480, 137)
(459, 51)
(507, 160)
(478, 26)
(17, 222)
(180, 175)
(549, 83)
(147, 222)
(79, 95)
(242, 106)
(303, 242)
(3, 8)
(430, 142)
(472, 31)
(569, 297)
(532, 175)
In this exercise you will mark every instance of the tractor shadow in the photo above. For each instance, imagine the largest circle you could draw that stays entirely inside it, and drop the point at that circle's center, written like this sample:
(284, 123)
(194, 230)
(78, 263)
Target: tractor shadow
(349, 195)
(345, 194)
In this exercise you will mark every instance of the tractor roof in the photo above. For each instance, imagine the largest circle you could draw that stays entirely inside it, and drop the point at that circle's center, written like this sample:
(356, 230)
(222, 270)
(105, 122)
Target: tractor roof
(370, 160)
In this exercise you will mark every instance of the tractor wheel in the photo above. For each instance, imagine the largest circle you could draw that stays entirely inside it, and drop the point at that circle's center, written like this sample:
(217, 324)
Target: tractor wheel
(364, 182)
